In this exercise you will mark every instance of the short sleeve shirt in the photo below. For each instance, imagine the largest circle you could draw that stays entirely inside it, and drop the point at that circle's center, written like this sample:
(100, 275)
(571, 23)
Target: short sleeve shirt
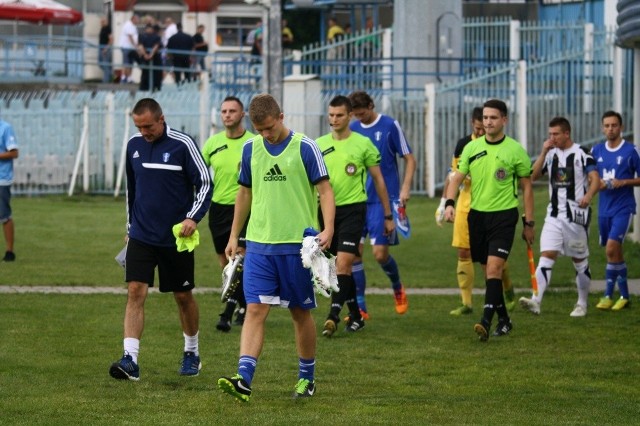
(494, 169)
(347, 161)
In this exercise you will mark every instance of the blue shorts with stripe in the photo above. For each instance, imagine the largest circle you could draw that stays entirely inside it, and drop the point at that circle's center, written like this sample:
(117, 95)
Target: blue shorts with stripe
(374, 227)
(278, 279)
(614, 227)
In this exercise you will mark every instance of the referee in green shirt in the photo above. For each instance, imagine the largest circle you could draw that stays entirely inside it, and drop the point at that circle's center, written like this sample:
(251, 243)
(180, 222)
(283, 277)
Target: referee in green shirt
(348, 156)
(496, 164)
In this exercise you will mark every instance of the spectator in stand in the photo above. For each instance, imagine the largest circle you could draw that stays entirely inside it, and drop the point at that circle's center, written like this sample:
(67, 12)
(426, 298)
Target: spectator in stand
(8, 152)
(251, 37)
(201, 47)
(149, 47)
(105, 49)
(287, 37)
(179, 51)
(128, 45)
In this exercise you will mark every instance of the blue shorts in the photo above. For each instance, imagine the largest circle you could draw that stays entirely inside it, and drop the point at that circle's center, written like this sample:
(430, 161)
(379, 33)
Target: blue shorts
(278, 280)
(5, 207)
(614, 228)
(374, 227)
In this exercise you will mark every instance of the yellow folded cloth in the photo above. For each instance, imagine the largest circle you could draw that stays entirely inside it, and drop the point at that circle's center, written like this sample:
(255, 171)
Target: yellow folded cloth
(185, 243)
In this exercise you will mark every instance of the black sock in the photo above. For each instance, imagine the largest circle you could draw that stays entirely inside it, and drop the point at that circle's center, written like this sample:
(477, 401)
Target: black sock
(338, 298)
(492, 298)
(352, 301)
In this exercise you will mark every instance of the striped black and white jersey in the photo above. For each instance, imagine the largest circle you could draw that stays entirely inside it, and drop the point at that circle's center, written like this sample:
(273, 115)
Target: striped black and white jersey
(568, 171)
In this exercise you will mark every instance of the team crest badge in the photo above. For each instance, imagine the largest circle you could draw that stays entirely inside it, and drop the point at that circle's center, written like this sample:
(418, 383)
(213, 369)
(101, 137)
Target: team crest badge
(350, 169)
(378, 136)
(165, 157)
(501, 174)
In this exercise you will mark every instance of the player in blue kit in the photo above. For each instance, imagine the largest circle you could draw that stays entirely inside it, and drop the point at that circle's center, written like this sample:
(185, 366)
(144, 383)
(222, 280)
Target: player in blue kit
(388, 137)
(618, 164)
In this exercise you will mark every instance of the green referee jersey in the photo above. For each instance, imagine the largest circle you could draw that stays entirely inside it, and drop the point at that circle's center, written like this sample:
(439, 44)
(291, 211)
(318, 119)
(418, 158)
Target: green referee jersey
(223, 155)
(347, 161)
(494, 169)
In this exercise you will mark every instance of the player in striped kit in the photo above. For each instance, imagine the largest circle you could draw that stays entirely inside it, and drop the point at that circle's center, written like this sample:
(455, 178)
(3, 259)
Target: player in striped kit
(573, 182)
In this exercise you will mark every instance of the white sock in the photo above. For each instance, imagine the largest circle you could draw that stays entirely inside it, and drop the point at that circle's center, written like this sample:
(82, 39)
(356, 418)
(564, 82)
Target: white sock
(543, 276)
(191, 343)
(583, 281)
(132, 347)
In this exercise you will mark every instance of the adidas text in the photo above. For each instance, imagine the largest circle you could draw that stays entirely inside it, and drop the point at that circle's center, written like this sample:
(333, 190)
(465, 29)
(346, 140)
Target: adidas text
(270, 178)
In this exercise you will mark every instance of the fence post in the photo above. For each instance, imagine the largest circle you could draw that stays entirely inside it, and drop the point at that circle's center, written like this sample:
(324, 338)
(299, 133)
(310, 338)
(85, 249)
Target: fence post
(618, 75)
(386, 67)
(205, 118)
(430, 138)
(521, 99)
(588, 68)
(108, 141)
(635, 235)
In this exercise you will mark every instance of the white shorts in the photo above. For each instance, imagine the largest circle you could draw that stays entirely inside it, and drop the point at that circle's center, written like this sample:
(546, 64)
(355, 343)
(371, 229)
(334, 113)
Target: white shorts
(565, 237)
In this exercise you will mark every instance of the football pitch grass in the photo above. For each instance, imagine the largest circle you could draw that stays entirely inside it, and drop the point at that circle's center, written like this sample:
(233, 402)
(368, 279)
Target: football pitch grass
(425, 367)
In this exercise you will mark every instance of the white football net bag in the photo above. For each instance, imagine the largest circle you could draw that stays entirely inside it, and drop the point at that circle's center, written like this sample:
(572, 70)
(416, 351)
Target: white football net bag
(322, 265)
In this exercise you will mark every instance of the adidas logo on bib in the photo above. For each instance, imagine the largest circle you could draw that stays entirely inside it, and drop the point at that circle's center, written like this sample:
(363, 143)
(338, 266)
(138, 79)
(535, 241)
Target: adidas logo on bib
(275, 174)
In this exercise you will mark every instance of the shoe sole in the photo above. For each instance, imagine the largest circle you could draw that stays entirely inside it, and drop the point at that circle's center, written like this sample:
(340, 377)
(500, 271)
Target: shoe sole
(482, 332)
(119, 374)
(228, 388)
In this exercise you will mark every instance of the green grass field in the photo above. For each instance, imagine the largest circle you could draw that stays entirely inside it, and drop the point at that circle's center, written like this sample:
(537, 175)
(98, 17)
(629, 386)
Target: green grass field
(425, 367)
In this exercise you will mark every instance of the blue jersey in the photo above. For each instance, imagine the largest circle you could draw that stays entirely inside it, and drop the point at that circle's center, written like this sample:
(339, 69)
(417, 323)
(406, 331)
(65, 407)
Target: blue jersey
(7, 143)
(388, 137)
(167, 182)
(623, 162)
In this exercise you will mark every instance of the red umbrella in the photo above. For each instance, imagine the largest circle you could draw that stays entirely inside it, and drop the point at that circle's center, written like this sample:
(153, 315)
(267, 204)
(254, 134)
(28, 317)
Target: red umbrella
(38, 11)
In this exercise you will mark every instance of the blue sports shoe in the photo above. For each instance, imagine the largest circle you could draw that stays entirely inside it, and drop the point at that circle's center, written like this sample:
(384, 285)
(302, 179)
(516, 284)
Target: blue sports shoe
(191, 364)
(125, 369)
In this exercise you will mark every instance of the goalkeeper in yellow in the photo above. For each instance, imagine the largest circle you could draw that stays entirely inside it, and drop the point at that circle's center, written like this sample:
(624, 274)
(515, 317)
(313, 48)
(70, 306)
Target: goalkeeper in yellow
(465, 271)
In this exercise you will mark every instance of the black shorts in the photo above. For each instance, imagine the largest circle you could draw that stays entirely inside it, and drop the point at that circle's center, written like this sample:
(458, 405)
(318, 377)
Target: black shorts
(348, 225)
(491, 233)
(175, 269)
(220, 221)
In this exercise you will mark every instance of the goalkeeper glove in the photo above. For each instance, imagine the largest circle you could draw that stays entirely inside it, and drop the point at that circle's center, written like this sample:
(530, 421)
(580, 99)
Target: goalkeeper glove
(440, 212)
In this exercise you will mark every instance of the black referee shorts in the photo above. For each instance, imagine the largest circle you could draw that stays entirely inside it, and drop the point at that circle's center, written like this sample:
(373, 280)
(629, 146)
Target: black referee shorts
(491, 233)
(348, 225)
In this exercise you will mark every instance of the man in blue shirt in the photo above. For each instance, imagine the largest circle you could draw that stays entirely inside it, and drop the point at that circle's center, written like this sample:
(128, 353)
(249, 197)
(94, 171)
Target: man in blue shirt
(618, 164)
(388, 137)
(8, 151)
(168, 186)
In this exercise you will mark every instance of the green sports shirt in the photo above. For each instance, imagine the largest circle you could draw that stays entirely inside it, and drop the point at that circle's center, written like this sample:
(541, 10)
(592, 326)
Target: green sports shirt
(494, 169)
(223, 155)
(347, 161)
(283, 201)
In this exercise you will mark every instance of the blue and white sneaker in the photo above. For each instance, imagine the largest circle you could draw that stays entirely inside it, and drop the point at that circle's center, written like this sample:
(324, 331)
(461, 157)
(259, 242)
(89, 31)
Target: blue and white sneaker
(191, 364)
(125, 369)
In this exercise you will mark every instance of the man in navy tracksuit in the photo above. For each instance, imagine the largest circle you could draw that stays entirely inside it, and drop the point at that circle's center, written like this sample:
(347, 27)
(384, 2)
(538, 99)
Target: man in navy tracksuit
(168, 183)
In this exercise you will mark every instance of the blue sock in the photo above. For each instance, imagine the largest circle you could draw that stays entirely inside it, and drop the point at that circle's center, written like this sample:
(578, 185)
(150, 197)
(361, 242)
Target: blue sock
(623, 286)
(247, 368)
(610, 274)
(391, 269)
(357, 272)
(306, 368)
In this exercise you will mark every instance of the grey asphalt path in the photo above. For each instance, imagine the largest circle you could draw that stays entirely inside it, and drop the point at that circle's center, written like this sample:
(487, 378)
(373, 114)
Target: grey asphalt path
(597, 286)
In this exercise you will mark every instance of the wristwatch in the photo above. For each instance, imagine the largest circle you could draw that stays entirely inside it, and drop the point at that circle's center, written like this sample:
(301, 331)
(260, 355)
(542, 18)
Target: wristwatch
(530, 223)
(388, 217)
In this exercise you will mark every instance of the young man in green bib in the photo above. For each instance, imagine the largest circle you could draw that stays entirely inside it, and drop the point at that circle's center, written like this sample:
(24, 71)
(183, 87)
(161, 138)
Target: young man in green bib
(496, 164)
(281, 175)
(222, 152)
(349, 156)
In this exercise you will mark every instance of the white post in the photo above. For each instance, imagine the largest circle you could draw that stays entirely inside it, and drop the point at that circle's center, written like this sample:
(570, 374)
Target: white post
(297, 58)
(205, 124)
(386, 67)
(123, 154)
(85, 153)
(514, 57)
(588, 68)
(108, 142)
(430, 138)
(635, 235)
(617, 78)
(82, 152)
(521, 99)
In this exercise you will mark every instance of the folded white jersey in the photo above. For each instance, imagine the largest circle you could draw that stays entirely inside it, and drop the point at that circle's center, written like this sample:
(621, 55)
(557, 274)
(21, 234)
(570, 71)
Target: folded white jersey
(231, 277)
(322, 265)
